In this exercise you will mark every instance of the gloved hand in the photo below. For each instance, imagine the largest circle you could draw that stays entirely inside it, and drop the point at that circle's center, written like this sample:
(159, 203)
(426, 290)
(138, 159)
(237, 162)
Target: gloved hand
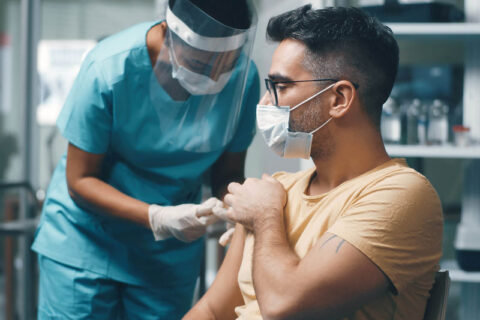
(186, 222)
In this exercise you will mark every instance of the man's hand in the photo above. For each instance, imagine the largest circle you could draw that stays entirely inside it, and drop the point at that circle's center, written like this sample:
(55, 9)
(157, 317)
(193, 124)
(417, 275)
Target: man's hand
(254, 202)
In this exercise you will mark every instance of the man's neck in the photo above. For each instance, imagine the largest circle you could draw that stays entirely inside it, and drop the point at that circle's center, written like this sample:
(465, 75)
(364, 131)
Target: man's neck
(347, 162)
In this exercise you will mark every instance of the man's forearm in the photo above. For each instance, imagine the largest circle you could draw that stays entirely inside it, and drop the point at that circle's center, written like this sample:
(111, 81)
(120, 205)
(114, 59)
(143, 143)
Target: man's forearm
(274, 265)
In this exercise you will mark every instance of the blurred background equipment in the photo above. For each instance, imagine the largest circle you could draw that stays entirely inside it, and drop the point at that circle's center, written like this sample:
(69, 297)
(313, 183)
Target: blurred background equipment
(391, 122)
(413, 10)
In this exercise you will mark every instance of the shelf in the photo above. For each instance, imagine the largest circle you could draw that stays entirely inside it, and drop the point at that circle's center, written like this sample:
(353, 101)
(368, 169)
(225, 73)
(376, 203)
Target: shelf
(422, 151)
(457, 274)
(456, 31)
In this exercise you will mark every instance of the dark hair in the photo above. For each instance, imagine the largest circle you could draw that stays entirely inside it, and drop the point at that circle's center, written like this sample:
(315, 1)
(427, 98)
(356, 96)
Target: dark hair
(233, 13)
(344, 43)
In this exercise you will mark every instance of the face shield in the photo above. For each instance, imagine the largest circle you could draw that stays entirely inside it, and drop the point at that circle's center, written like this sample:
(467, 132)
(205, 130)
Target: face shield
(199, 79)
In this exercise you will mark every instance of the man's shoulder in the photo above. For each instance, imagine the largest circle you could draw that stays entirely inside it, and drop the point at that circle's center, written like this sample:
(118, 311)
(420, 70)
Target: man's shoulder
(396, 173)
(401, 187)
(290, 178)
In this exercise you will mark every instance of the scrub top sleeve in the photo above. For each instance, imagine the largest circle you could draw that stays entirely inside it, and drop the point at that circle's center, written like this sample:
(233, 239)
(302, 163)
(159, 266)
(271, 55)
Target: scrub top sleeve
(246, 127)
(86, 117)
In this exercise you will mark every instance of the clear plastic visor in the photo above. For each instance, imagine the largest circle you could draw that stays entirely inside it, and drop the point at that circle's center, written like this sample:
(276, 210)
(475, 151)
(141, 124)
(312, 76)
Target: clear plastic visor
(199, 80)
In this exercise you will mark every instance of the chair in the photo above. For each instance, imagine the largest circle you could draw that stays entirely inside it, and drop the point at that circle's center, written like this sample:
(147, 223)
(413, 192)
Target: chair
(437, 303)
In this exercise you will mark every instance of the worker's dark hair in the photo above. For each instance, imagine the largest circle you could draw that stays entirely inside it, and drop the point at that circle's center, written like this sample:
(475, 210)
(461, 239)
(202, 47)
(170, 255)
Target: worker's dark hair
(344, 43)
(232, 13)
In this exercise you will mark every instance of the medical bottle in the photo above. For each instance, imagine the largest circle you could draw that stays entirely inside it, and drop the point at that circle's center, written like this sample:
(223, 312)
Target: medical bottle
(438, 122)
(413, 111)
(422, 123)
(391, 122)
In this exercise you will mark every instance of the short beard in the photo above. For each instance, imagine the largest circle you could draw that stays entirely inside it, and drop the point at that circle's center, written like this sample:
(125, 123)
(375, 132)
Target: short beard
(322, 145)
(311, 118)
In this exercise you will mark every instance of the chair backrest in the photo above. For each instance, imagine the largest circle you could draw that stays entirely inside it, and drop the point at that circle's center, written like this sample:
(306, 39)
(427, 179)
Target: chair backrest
(437, 303)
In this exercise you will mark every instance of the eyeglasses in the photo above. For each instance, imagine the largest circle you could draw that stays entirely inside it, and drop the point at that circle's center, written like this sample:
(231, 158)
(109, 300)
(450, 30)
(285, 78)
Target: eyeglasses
(271, 86)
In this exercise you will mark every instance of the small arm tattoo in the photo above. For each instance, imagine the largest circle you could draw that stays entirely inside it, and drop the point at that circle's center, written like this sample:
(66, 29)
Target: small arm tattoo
(339, 245)
(327, 240)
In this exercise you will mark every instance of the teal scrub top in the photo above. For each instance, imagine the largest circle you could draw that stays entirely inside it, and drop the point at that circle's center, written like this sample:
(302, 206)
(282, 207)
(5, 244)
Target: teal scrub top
(109, 110)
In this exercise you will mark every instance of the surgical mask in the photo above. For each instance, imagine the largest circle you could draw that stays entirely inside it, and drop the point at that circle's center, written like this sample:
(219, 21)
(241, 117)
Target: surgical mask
(273, 122)
(195, 83)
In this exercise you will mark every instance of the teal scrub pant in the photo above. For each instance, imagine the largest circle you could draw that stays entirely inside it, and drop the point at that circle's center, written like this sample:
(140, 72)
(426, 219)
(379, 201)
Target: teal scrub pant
(67, 292)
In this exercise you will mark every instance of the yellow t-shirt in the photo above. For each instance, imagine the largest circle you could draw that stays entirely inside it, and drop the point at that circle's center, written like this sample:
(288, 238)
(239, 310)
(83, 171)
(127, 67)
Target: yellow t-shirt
(391, 213)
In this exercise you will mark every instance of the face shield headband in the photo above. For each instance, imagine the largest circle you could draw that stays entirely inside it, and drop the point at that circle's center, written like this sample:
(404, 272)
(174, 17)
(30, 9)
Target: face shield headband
(213, 44)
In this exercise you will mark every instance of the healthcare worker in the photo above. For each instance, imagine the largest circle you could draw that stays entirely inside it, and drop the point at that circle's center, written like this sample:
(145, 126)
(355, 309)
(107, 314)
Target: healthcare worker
(153, 109)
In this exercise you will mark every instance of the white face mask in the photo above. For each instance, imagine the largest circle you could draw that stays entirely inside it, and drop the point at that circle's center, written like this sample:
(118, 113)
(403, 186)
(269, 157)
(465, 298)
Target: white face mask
(273, 123)
(195, 83)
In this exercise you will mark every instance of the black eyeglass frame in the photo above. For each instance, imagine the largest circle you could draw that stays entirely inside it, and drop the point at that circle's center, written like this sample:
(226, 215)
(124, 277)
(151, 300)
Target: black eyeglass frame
(269, 83)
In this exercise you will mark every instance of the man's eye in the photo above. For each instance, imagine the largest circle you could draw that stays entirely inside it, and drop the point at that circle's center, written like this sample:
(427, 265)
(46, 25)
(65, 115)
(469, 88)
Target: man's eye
(281, 87)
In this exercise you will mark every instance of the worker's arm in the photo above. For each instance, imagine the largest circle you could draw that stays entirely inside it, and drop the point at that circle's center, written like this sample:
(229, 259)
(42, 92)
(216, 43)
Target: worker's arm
(87, 189)
(224, 295)
(228, 168)
(331, 281)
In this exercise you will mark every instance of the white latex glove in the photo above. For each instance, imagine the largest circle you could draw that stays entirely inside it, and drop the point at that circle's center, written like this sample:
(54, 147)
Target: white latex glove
(186, 222)
(226, 237)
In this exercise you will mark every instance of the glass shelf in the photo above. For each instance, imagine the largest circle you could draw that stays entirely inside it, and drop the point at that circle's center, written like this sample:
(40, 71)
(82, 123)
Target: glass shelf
(456, 31)
(459, 275)
(422, 151)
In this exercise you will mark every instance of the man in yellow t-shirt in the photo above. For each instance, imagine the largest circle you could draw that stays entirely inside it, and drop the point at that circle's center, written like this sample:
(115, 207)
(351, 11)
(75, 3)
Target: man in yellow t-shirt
(359, 235)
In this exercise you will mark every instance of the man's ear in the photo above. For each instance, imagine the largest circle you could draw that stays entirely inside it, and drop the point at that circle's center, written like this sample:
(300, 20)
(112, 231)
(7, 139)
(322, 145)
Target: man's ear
(342, 101)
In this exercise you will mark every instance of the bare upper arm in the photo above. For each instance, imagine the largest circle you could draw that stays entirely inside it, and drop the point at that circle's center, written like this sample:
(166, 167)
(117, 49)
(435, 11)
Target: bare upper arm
(224, 295)
(337, 279)
(82, 164)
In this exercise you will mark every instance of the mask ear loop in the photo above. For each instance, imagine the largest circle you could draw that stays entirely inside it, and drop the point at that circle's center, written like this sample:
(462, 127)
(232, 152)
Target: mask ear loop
(323, 125)
(312, 97)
